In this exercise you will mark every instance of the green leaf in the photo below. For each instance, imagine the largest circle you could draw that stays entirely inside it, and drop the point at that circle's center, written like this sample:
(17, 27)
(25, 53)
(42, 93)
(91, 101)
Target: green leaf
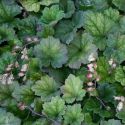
(6, 94)
(6, 33)
(93, 4)
(95, 23)
(122, 24)
(7, 118)
(73, 115)
(48, 2)
(52, 15)
(73, 89)
(46, 88)
(120, 4)
(99, 25)
(116, 48)
(100, 4)
(28, 26)
(120, 75)
(78, 19)
(112, 14)
(37, 105)
(65, 31)
(106, 92)
(68, 7)
(31, 5)
(51, 51)
(104, 71)
(80, 50)
(111, 122)
(8, 10)
(6, 59)
(34, 72)
(46, 32)
(54, 109)
(58, 74)
(24, 93)
(91, 104)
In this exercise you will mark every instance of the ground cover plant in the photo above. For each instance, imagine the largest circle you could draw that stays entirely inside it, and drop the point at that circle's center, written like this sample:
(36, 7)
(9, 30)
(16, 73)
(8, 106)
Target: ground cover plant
(62, 62)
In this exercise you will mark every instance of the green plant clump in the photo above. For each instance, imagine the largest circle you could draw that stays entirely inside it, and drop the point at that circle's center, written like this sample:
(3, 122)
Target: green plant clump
(62, 62)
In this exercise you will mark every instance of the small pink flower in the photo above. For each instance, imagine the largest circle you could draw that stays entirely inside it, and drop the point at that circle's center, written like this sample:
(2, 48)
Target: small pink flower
(90, 67)
(21, 106)
(89, 75)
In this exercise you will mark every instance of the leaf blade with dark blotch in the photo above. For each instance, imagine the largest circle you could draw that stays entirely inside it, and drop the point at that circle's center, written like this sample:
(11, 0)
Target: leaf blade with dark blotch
(106, 92)
(51, 52)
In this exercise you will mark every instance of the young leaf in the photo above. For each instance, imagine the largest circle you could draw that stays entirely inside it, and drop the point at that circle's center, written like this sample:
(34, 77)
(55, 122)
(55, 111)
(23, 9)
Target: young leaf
(31, 5)
(80, 49)
(73, 89)
(120, 75)
(73, 115)
(51, 51)
(52, 15)
(46, 88)
(54, 109)
(7, 118)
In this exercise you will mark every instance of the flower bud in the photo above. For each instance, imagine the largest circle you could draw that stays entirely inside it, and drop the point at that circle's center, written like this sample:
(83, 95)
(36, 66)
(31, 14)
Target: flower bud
(90, 83)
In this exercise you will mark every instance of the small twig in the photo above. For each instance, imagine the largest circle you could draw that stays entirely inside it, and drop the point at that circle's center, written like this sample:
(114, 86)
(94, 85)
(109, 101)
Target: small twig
(41, 115)
(101, 101)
